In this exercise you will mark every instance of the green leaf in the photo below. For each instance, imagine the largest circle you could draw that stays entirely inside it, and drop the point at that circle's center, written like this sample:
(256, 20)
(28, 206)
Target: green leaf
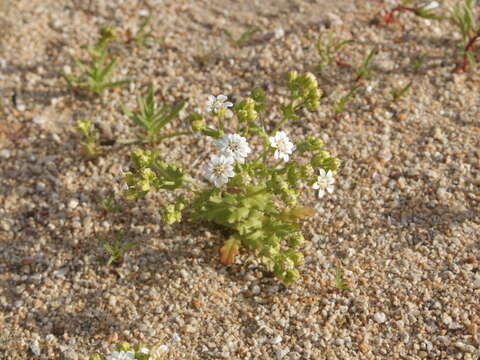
(229, 250)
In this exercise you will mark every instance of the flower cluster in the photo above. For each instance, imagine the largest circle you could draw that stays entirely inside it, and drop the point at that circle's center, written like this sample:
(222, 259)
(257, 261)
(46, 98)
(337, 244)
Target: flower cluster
(253, 191)
(125, 351)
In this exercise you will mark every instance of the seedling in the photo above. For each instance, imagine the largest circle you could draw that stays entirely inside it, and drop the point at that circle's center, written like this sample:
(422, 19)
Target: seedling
(142, 36)
(108, 204)
(97, 73)
(464, 17)
(89, 135)
(417, 63)
(115, 249)
(328, 52)
(343, 101)
(340, 283)
(243, 38)
(365, 69)
(152, 118)
(424, 10)
(398, 93)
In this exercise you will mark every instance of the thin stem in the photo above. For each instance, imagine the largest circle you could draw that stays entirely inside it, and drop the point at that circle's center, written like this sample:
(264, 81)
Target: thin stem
(469, 47)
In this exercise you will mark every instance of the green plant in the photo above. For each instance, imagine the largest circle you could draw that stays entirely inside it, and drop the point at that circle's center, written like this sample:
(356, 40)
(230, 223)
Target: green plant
(464, 17)
(340, 283)
(328, 52)
(423, 10)
(97, 73)
(340, 105)
(152, 118)
(417, 63)
(398, 93)
(115, 248)
(365, 69)
(108, 204)
(255, 198)
(126, 351)
(89, 135)
(244, 37)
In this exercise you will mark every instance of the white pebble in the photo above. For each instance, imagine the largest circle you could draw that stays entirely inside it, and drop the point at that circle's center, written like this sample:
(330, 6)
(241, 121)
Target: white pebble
(380, 317)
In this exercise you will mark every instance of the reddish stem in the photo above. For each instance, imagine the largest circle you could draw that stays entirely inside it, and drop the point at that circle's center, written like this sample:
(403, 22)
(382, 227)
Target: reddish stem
(389, 16)
(468, 48)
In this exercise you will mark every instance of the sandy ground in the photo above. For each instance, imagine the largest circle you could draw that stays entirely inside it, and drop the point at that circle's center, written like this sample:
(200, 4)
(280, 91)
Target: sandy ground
(403, 221)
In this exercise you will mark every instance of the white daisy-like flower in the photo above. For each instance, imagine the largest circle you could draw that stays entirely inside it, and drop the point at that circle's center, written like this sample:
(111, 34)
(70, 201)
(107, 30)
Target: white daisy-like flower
(121, 355)
(219, 170)
(284, 147)
(324, 183)
(158, 352)
(216, 104)
(235, 146)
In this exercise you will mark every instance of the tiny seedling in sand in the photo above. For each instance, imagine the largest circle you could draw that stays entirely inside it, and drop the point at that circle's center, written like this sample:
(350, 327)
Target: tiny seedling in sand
(328, 50)
(340, 282)
(108, 204)
(96, 75)
(89, 138)
(339, 107)
(152, 118)
(247, 35)
(398, 93)
(423, 10)
(115, 249)
(365, 69)
(464, 17)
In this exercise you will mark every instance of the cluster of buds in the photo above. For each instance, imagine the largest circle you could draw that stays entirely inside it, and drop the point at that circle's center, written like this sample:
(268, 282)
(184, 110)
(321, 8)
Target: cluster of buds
(305, 88)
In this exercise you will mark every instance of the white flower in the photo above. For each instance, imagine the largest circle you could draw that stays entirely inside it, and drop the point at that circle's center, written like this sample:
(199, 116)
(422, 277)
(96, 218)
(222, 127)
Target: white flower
(144, 350)
(216, 104)
(121, 355)
(219, 169)
(158, 352)
(235, 146)
(324, 183)
(431, 6)
(284, 147)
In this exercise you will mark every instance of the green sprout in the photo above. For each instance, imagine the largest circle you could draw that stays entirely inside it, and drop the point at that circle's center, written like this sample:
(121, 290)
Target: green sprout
(365, 69)
(340, 282)
(152, 118)
(398, 93)
(343, 101)
(417, 63)
(97, 74)
(464, 17)
(108, 204)
(424, 10)
(114, 248)
(328, 52)
(89, 135)
(143, 36)
(243, 38)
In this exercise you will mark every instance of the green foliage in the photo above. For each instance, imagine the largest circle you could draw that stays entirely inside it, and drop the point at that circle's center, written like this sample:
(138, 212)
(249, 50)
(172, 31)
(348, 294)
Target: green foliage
(89, 138)
(142, 35)
(398, 93)
(244, 37)
(139, 352)
(340, 283)
(365, 70)
(97, 73)
(114, 248)
(328, 50)
(343, 101)
(108, 204)
(259, 203)
(152, 118)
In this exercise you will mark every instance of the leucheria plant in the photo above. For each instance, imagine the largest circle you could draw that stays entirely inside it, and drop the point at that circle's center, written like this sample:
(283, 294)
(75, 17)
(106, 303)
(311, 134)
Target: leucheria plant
(253, 191)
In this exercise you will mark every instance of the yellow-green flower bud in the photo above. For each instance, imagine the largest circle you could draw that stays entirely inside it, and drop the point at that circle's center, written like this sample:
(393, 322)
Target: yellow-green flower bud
(291, 276)
(292, 76)
(246, 110)
(96, 357)
(197, 122)
(296, 257)
(296, 240)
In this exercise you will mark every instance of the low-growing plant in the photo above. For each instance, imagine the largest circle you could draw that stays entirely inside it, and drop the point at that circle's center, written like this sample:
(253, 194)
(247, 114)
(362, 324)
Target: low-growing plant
(125, 351)
(109, 204)
(142, 35)
(340, 105)
(153, 118)
(365, 70)
(328, 50)
(423, 9)
(465, 18)
(244, 37)
(89, 138)
(96, 75)
(340, 283)
(115, 247)
(398, 93)
(254, 195)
